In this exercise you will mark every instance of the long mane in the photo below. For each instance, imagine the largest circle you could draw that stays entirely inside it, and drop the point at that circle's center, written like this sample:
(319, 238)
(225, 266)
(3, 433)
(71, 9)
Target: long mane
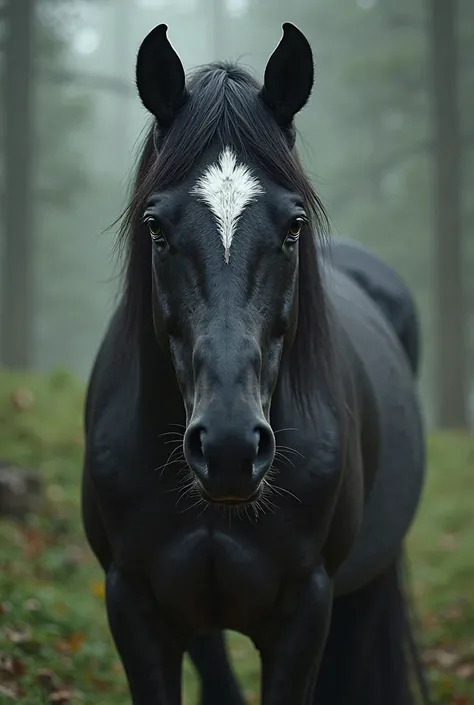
(224, 107)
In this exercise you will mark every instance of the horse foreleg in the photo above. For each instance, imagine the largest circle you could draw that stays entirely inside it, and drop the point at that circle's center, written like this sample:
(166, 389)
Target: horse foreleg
(292, 646)
(151, 655)
(218, 683)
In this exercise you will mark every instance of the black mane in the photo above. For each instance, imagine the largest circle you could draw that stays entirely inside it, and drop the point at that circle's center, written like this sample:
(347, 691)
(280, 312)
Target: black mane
(224, 107)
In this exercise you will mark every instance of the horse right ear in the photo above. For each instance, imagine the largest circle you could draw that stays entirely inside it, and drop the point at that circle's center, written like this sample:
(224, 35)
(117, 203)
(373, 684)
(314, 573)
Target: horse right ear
(289, 76)
(160, 77)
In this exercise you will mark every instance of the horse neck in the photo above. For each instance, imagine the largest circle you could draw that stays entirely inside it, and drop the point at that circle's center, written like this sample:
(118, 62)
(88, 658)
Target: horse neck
(160, 400)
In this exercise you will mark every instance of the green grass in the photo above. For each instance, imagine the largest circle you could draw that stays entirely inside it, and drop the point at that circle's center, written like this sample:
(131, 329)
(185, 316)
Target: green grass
(54, 642)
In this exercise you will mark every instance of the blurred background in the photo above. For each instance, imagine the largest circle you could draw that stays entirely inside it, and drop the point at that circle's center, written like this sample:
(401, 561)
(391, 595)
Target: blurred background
(388, 139)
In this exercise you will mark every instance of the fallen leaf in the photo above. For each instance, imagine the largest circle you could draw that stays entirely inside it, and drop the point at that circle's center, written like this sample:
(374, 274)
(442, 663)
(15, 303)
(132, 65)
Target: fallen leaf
(449, 541)
(251, 696)
(98, 590)
(419, 588)
(18, 668)
(70, 645)
(430, 620)
(46, 679)
(35, 543)
(76, 641)
(446, 685)
(11, 690)
(22, 399)
(60, 697)
(32, 605)
(79, 437)
(55, 493)
(453, 613)
(19, 636)
(62, 646)
(6, 665)
(10, 666)
(442, 658)
(100, 684)
(460, 701)
(465, 671)
(76, 555)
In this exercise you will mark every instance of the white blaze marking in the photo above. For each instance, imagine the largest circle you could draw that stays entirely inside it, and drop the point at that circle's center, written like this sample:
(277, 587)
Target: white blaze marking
(227, 187)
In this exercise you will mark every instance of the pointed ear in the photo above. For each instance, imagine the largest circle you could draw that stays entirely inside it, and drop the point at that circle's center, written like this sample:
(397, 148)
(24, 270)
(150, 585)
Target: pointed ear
(160, 76)
(289, 75)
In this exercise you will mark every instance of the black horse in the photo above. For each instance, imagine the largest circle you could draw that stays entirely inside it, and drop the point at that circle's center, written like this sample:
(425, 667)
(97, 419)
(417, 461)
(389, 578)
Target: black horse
(284, 377)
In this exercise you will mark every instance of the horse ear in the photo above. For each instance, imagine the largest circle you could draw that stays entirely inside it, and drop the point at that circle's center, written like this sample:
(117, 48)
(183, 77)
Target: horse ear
(289, 75)
(160, 76)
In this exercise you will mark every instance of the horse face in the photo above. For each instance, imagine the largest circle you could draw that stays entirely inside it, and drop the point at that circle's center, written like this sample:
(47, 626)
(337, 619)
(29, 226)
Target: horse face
(225, 268)
(225, 283)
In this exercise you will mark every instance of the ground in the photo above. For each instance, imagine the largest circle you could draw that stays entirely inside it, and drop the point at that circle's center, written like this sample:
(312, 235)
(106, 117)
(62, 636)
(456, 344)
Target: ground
(54, 642)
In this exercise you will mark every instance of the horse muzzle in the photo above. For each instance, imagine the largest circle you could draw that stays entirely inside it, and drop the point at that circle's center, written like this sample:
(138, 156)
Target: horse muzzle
(231, 459)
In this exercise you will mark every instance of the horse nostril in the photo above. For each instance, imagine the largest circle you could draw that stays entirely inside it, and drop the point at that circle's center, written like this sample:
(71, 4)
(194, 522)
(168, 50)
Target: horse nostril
(193, 450)
(265, 449)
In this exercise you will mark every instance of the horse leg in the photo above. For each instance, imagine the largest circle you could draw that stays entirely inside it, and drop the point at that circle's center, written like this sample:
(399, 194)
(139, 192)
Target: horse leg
(365, 660)
(292, 645)
(151, 654)
(218, 683)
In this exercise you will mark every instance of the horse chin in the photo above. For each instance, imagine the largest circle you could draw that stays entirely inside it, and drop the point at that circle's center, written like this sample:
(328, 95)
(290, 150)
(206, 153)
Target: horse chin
(230, 500)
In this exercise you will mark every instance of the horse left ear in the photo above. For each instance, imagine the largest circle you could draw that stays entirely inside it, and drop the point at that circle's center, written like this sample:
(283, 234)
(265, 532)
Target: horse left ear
(289, 75)
(160, 77)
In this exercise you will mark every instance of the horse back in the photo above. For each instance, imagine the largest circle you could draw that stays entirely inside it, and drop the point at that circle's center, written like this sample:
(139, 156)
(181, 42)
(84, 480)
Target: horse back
(386, 289)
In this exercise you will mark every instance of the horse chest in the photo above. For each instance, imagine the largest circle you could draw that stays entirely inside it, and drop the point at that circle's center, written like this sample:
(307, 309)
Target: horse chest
(213, 579)
(206, 570)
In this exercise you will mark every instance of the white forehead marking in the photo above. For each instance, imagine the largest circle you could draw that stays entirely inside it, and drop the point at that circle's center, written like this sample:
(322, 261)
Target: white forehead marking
(227, 187)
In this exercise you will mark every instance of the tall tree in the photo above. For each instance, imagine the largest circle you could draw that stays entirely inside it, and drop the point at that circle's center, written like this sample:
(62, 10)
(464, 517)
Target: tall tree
(451, 369)
(17, 313)
(49, 237)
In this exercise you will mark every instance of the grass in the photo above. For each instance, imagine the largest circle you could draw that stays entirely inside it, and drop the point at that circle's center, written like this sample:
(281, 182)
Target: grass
(54, 642)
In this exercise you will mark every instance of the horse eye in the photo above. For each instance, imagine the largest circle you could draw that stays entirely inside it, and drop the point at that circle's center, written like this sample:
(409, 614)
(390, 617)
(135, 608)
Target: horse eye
(295, 230)
(154, 229)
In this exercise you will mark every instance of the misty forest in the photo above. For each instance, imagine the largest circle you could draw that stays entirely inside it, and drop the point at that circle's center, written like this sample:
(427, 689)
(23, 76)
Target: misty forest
(388, 141)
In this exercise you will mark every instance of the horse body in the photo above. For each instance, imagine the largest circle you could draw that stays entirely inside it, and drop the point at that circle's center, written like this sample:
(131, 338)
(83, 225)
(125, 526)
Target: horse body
(215, 571)
(398, 478)
(261, 538)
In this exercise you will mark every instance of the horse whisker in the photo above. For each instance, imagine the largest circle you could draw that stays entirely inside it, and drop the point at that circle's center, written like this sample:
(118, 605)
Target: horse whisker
(182, 488)
(277, 489)
(279, 454)
(171, 433)
(196, 504)
(170, 461)
(187, 491)
(289, 449)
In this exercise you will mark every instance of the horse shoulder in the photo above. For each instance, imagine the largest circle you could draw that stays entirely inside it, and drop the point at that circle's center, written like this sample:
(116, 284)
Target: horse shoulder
(110, 418)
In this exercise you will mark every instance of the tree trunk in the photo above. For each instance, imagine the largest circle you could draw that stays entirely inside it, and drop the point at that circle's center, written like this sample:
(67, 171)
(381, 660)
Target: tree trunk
(16, 280)
(450, 341)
